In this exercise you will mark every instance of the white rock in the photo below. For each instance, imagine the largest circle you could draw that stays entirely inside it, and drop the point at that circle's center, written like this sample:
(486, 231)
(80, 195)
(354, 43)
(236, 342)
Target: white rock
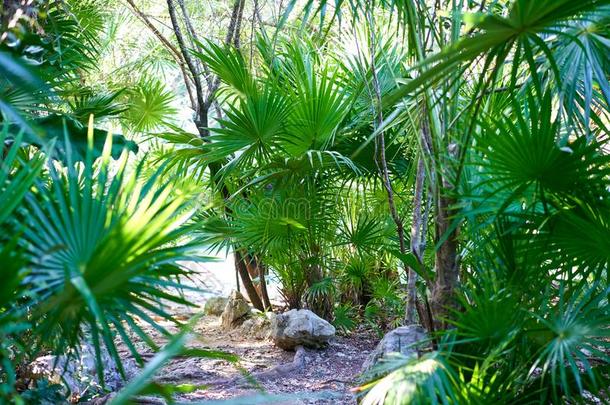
(300, 328)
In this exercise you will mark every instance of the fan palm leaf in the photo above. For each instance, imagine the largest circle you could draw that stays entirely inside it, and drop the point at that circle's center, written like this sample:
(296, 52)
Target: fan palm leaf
(104, 252)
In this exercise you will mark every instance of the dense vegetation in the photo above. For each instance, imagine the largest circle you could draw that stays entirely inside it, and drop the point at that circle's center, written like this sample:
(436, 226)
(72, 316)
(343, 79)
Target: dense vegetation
(387, 162)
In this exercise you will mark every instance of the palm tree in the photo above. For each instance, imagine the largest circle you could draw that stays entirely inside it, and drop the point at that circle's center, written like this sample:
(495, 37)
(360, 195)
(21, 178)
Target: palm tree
(89, 248)
(509, 211)
(480, 126)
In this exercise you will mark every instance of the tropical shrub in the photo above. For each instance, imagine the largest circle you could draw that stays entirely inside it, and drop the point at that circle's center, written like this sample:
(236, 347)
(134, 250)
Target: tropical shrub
(98, 252)
(443, 163)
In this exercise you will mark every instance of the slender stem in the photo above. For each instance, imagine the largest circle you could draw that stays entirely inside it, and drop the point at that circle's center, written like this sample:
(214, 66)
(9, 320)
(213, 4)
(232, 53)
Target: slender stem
(188, 81)
(446, 257)
(416, 238)
(381, 138)
(233, 32)
(240, 265)
(252, 29)
(210, 80)
(236, 36)
(263, 282)
(201, 120)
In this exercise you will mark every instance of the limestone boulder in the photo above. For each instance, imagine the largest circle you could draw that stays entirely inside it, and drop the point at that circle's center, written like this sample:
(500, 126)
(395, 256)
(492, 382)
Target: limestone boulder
(300, 328)
(236, 311)
(215, 306)
(405, 340)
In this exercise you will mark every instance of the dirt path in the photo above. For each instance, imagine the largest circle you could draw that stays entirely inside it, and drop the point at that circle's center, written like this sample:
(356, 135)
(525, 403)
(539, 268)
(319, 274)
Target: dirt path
(327, 378)
(329, 373)
(332, 369)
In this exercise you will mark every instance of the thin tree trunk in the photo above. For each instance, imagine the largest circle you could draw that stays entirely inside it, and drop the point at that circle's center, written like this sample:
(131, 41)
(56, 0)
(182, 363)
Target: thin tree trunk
(382, 164)
(235, 23)
(201, 119)
(233, 32)
(416, 237)
(252, 28)
(241, 258)
(210, 80)
(240, 264)
(446, 264)
(263, 281)
(257, 270)
(236, 36)
(171, 48)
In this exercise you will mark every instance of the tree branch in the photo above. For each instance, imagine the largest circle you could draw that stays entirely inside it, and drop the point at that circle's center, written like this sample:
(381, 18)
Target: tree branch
(382, 164)
(170, 47)
(201, 119)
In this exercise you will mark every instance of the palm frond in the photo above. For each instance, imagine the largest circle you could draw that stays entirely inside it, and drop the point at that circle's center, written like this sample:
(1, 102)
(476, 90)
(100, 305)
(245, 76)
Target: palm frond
(149, 106)
(102, 251)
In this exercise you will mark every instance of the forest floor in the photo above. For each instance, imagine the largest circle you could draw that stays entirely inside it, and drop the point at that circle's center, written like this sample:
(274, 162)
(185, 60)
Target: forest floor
(328, 376)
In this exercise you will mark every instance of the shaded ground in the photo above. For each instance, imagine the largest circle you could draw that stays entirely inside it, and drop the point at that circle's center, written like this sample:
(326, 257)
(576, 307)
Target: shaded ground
(331, 369)
(327, 378)
(329, 373)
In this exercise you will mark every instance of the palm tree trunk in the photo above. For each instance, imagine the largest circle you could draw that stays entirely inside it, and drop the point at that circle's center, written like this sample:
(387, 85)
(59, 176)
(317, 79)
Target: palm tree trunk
(242, 268)
(257, 269)
(263, 282)
(447, 271)
(378, 122)
(446, 258)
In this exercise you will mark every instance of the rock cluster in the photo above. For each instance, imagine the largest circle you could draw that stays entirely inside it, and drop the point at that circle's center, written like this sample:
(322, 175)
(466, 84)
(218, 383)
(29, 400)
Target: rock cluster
(288, 330)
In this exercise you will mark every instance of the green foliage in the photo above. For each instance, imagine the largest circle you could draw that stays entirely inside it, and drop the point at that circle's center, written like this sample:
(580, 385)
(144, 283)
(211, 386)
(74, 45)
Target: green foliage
(345, 318)
(20, 88)
(94, 247)
(16, 178)
(89, 102)
(101, 252)
(53, 129)
(530, 172)
(284, 148)
(386, 308)
(532, 310)
(417, 382)
(253, 129)
(12, 322)
(504, 103)
(149, 106)
(44, 393)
